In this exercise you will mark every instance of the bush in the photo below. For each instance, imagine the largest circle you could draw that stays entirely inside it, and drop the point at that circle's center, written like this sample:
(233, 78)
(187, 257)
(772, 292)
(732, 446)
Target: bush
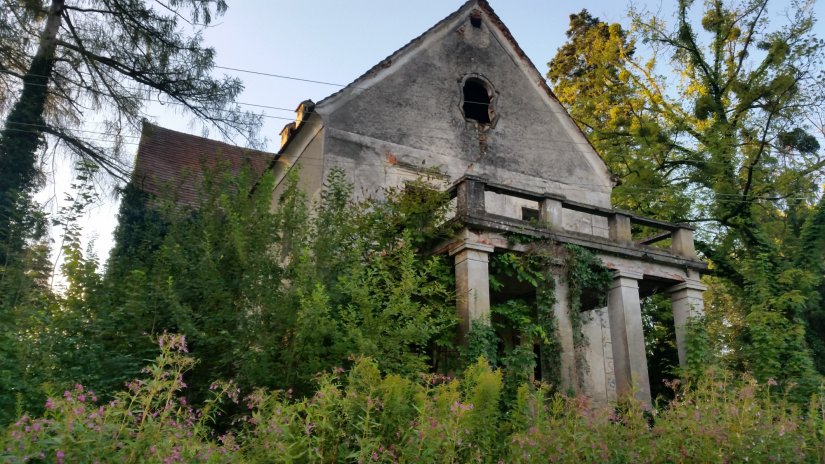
(364, 416)
(149, 422)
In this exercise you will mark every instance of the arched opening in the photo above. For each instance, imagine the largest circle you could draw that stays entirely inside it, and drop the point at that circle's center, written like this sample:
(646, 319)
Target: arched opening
(476, 101)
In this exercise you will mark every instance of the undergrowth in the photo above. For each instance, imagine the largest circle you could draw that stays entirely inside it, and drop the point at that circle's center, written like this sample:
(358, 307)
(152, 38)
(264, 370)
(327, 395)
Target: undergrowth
(362, 415)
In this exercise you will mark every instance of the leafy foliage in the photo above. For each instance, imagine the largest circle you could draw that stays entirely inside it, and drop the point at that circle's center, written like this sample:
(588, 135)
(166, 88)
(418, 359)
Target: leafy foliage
(520, 322)
(266, 298)
(726, 145)
(361, 415)
(149, 422)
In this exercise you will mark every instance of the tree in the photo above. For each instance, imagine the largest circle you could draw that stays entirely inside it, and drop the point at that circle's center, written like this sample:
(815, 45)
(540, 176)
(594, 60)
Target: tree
(267, 297)
(711, 126)
(74, 61)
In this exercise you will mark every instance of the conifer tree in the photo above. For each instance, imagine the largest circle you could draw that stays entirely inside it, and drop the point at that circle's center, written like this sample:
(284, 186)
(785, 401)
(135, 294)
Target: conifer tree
(64, 62)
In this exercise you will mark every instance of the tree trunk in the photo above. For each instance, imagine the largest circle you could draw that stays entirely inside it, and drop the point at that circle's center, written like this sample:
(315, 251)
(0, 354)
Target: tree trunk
(21, 137)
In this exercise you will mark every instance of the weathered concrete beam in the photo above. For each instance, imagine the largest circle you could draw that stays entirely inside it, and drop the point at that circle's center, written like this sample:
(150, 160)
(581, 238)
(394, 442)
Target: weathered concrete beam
(503, 224)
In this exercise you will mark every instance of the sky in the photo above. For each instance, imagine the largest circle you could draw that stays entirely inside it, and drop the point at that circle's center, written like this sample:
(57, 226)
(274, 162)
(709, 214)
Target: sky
(335, 42)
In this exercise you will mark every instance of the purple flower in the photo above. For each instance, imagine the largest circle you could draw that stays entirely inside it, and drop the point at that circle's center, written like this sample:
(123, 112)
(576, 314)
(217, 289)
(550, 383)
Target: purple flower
(60, 456)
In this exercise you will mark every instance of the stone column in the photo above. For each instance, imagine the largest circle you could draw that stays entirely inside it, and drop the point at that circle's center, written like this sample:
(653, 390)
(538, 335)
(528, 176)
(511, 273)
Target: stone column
(688, 302)
(569, 377)
(470, 197)
(627, 336)
(472, 284)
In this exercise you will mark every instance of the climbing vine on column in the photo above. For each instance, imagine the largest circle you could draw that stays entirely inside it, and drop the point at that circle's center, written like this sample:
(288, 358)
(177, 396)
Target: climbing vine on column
(520, 322)
(585, 273)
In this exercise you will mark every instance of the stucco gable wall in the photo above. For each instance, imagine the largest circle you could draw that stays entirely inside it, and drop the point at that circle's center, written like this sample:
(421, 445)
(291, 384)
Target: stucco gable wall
(408, 116)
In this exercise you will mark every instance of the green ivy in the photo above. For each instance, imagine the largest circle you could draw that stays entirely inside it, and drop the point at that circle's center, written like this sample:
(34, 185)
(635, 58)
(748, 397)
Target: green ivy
(535, 320)
(585, 272)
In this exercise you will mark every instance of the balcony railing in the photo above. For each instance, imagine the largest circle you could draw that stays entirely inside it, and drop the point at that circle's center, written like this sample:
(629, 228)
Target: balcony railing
(470, 193)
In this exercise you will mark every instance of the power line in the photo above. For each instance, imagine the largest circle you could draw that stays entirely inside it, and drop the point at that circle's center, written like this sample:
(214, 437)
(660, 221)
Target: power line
(277, 108)
(150, 89)
(429, 136)
(84, 139)
(280, 76)
(291, 119)
(46, 126)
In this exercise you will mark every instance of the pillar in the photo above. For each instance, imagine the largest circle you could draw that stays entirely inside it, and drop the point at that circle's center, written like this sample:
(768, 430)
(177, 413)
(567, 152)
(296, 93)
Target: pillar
(550, 213)
(564, 324)
(688, 302)
(472, 284)
(619, 226)
(627, 336)
(682, 243)
(470, 197)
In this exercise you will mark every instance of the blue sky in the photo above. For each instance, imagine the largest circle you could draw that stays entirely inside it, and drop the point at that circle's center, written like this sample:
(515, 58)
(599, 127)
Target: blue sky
(336, 41)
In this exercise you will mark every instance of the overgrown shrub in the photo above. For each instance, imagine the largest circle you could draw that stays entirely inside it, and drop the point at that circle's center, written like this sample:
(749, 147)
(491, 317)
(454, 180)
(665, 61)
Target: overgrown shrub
(149, 422)
(361, 415)
(267, 296)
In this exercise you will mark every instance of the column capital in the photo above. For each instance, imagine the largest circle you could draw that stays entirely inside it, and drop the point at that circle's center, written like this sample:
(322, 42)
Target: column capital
(688, 285)
(628, 274)
(475, 246)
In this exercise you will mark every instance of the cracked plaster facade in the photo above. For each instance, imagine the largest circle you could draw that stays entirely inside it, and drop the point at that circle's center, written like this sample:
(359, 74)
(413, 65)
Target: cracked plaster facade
(404, 119)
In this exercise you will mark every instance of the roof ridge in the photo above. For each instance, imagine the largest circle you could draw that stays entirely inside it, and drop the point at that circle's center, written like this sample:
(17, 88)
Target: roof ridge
(156, 127)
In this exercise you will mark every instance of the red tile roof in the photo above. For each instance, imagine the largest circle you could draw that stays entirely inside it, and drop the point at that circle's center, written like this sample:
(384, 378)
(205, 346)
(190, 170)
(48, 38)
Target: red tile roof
(170, 164)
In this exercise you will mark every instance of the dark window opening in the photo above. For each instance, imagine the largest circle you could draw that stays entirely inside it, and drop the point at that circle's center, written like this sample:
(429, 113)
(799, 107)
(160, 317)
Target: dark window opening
(592, 299)
(529, 214)
(538, 373)
(475, 18)
(476, 101)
